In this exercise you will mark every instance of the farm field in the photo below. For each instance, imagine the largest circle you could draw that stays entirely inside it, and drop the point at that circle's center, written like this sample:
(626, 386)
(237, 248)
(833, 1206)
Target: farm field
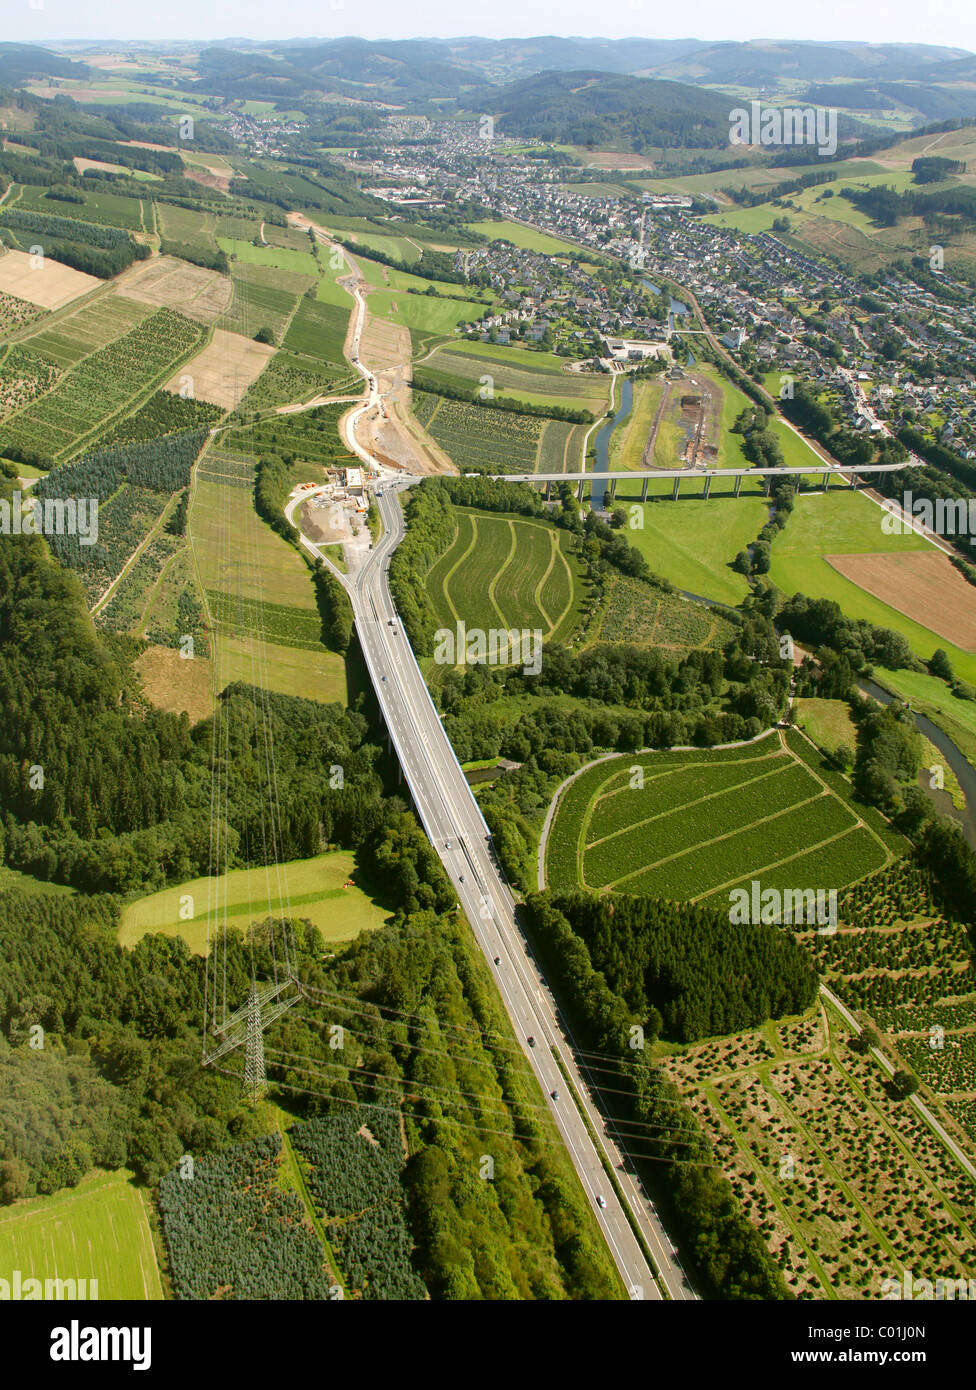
(900, 961)
(260, 586)
(224, 370)
(421, 311)
(787, 1109)
(636, 613)
(927, 588)
(506, 572)
(693, 542)
(827, 723)
(313, 888)
(276, 257)
(97, 1230)
(89, 327)
(98, 388)
(516, 377)
(846, 523)
(102, 207)
(932, 697)
(318, 330)
(477, 435)
(263, 298)
(526, 237)
(50, 288)
(560, 447)
(167, 281)
(706, 821)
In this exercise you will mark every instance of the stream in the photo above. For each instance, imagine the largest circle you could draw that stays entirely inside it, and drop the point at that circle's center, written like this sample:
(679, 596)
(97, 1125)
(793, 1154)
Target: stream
(964, 772)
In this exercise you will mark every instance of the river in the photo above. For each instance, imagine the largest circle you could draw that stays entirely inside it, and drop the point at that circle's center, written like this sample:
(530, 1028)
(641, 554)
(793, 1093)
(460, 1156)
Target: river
(964, 772)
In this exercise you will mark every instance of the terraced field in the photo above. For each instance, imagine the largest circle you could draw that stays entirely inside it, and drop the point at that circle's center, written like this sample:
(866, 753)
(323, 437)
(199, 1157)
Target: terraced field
(476, 435)
(696, 824)
(100, 386)
(505, 572)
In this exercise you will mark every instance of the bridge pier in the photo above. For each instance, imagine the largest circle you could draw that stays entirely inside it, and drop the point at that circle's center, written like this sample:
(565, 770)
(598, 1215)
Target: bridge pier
(765, 484)
(855, 482)
(677, 485)
(613, 488)
(738, 484)
(548, 489)
(826, 478)
(579, 492)
(708, 485)
(644, 490)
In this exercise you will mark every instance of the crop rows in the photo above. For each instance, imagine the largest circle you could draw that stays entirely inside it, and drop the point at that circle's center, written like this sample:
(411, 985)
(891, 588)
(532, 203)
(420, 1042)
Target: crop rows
(107, 209)
(465, 369)
(258, 301)
(124, 610)
(638, 614)
(850, 856)
(318, 330)
(286, 379)
(162, 414)
(629, 850)
(15, 313)
(476, 435)
(622, 807)
(23, 376)
(270, 622)
(504, 558)
(101, 385)
(561, 447)
(311, 435)
(92, 327)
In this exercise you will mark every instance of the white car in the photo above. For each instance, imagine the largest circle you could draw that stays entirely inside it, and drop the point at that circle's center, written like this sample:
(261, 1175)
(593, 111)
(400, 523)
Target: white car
(601, 1201)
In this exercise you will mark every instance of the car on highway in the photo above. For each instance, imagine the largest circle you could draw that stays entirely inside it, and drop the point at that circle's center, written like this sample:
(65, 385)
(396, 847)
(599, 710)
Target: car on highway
(460, 878)
(601, 1201)
(531, 1041)
(498, 960)
(554, 1094)
(447, 844)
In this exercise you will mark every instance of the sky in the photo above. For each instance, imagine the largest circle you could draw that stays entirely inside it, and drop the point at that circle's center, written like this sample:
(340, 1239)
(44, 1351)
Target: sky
(948, 22)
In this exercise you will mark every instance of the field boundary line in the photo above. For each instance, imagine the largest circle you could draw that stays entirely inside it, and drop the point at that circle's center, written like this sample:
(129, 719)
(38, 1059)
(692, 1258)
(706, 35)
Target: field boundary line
(718, 839)
(687, 805)
(537, 596)
(605, 758)
(778, 863)
(513, 546)
(457, 563)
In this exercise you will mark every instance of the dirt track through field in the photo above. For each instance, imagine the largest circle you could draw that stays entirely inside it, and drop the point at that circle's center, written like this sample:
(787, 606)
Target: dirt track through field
(923, 585)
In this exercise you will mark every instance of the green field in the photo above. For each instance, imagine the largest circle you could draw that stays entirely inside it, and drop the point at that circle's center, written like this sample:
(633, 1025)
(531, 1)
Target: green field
(318, 330)
(312, 888)
(827, 722)
(693, 542)
(848, 523)
(526, 237)
(506, 572)
(457, 366)
(704, 822)
(422, 311)
(93, 326)
(263, 298)
(637, 613)
(265, 589)
(628, 442)
(276, 257)
(104, 208)
(98, 1230)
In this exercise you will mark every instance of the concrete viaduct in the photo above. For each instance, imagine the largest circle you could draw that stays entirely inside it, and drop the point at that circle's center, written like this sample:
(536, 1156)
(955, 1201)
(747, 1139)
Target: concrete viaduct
(852, 476)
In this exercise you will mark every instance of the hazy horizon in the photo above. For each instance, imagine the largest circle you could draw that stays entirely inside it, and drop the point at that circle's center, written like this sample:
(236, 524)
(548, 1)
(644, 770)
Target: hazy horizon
(943, 23)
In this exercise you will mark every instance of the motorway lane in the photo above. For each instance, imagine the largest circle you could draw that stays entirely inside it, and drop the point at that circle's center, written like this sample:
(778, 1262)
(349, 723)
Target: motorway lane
(451, 816)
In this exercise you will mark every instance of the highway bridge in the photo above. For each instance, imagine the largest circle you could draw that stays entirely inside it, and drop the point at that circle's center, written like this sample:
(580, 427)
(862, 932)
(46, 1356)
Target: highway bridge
(852, 476)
